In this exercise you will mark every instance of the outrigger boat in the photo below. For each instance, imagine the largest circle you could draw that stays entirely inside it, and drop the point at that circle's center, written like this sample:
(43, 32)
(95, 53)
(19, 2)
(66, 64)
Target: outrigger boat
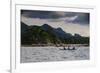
(68, 48)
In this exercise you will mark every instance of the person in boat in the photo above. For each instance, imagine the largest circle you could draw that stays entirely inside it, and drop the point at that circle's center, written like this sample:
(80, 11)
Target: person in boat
(68, 48)
(73, 48)
(64, 48)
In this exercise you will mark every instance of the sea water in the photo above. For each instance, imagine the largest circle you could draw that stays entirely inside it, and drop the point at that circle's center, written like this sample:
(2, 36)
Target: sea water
(47, 54)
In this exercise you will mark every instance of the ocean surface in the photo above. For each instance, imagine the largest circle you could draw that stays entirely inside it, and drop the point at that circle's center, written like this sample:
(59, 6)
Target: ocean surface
(48, 54)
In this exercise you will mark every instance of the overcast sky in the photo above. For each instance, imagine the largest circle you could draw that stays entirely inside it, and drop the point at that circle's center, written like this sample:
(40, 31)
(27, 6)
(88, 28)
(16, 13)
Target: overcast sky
(71, 22)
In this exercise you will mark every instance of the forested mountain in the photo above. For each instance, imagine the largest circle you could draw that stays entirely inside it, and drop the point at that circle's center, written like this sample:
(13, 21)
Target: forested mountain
(46, 34)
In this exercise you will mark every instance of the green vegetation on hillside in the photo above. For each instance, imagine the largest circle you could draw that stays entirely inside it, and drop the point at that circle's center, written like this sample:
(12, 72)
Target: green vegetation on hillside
(39, 35)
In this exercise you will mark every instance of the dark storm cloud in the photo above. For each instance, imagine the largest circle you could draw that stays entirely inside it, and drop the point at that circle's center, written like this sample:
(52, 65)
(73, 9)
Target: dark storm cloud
(41, 14)
(81, 18)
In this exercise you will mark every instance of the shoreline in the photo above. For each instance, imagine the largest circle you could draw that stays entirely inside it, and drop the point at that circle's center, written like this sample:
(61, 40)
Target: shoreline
(57, 45)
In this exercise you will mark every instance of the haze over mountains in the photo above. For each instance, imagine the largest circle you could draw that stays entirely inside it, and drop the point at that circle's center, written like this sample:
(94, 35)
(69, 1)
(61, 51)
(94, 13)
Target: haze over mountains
(46, 34)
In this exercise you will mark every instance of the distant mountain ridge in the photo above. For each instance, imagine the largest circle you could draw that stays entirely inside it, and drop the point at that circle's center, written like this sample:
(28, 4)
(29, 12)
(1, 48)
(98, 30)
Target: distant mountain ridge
(47, 34)
(24, 27)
